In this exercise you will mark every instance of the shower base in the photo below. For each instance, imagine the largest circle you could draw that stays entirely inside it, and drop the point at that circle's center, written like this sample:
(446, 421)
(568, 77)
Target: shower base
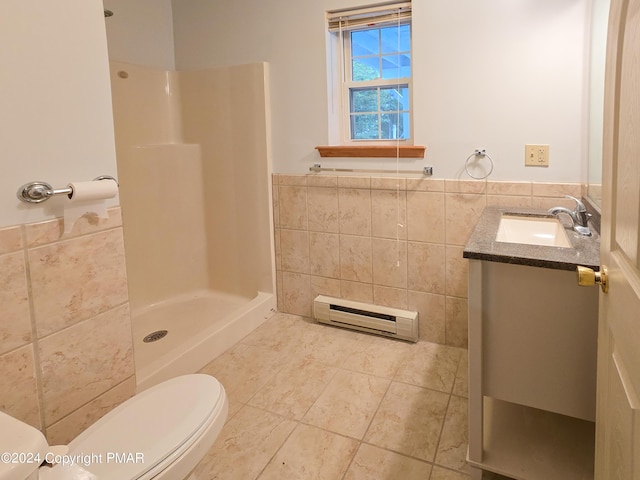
(200, 326)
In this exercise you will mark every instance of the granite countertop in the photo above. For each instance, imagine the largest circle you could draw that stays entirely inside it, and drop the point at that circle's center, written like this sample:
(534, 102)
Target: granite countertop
(483, 246)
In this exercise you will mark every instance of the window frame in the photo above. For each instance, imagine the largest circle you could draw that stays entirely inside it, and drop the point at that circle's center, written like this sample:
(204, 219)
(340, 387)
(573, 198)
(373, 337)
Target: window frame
(343, 84)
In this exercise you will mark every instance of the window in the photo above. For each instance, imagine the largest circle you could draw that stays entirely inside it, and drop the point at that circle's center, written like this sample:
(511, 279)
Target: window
(375, 72)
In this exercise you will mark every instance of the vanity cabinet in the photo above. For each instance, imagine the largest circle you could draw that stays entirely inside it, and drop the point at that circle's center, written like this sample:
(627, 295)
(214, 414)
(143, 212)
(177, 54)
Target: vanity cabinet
(532, 358)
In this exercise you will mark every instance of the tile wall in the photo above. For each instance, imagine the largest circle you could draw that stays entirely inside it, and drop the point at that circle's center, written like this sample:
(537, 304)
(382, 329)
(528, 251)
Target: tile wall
(66, 355)
(387, 241)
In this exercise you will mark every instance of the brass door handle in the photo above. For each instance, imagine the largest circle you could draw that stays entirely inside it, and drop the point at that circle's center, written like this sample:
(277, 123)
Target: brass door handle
(588, 277)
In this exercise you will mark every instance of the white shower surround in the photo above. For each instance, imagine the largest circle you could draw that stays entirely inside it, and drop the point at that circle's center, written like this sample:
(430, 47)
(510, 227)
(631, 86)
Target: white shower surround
(194, 171)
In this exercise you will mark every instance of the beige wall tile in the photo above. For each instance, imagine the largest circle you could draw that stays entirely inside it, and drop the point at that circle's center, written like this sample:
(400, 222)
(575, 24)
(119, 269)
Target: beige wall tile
(425, 217)
(44, 232)
(462, 213)
(426, 267)
(457, 272)
(323, 209)
(556, 189)
(354, 211)
(437, 226)
(72, 425)
(522, 189)
(324, 254)
(356, 258)
(389, 262)
(77, 279)
(84, 361)
(465, 186)
(456, 322)
(431, 314)
(546, 203)
(296, 294)
(508, 201)
(277, 249)
(356, 291)
(390, 297)
(279, 291)
(294, 251)
(388, 183)
(72, 278)
(19, 394)
(50, 231)
(321, 180)
(425, 184)
(354, 182)
(275, 193)
(325, 286)
(292, 180)
(388, 214)
(15, 317)
(10, 239)
(92, 223)
(293, 207)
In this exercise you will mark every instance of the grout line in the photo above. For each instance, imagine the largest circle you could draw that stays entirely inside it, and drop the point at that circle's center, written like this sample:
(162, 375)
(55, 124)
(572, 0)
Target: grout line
(35, 344)
(376, 412)
(279, 448)
(359, 442)
(444, 421)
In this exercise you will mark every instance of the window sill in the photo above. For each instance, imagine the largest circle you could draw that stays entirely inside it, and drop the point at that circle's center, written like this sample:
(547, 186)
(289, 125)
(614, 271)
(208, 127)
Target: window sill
(388, 151)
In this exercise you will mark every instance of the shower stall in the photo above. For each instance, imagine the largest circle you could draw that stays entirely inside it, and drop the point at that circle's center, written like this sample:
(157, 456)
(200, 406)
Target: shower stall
(194, 172)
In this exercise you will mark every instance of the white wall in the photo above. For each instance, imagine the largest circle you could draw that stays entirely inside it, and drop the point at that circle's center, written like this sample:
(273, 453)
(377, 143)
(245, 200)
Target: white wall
(492, 74)
(55, 102)
(596, 87)
(141, 32)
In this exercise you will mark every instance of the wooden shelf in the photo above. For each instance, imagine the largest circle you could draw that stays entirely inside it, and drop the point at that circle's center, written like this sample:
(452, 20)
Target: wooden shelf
(363, 151)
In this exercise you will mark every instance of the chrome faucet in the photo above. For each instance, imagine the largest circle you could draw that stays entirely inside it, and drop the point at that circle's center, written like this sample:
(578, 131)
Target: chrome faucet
(579, 216)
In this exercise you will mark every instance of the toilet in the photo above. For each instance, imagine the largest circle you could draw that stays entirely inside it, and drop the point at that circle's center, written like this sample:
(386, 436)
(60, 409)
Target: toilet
(161, 433)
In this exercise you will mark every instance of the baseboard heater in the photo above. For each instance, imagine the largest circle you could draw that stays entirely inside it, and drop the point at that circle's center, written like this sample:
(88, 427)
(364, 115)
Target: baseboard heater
(390, 322)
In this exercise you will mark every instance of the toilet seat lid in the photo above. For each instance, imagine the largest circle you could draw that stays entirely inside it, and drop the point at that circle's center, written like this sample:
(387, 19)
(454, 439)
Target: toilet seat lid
(140, 433)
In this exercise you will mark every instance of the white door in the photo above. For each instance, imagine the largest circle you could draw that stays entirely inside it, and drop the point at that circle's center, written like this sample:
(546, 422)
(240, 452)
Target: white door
(618, 401)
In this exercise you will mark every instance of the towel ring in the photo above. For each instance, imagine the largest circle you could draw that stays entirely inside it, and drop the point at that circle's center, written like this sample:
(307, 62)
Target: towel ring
(478, 153)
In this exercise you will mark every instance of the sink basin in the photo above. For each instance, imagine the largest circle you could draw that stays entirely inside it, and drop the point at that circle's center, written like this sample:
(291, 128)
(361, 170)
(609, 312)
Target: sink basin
(532, 231)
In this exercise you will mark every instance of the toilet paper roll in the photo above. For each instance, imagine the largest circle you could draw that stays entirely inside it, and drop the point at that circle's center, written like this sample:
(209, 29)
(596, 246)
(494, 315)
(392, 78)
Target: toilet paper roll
(88, 198)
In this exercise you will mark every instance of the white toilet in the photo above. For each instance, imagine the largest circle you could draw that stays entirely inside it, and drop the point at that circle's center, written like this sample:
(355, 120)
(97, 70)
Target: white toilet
(161, 433)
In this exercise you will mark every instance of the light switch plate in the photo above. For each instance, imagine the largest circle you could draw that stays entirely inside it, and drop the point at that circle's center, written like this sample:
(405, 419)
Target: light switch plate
(536, 155)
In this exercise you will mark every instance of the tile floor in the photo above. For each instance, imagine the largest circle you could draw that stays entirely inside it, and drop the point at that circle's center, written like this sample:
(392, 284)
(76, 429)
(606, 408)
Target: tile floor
(313, 401)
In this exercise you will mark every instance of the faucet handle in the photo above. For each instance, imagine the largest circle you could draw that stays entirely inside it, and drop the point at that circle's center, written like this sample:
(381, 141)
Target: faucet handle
(579, 205)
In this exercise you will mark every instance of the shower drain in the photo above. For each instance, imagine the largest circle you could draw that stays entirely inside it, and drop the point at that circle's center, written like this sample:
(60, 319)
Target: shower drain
(155, 336)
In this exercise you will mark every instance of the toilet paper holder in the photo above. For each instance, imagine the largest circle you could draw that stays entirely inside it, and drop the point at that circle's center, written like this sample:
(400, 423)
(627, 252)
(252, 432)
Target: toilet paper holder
(36, 192)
